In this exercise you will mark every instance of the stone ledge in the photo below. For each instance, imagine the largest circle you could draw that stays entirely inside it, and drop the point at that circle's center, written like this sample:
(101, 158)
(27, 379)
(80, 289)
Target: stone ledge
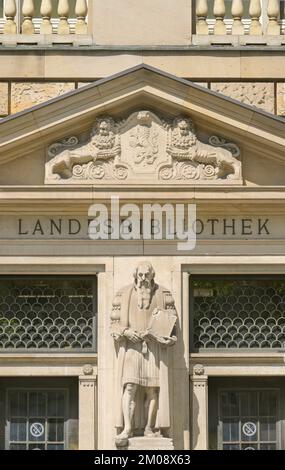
(88, 41)
(150, 443)
(46, 39)
(237, 41)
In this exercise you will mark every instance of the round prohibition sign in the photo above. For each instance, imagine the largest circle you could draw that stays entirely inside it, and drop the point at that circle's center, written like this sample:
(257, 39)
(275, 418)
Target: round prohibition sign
(249, 429)
(37, 429)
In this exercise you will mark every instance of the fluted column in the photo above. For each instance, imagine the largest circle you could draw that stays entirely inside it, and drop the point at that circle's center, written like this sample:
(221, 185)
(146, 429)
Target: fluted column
(81, 11)
(46, 12)
(219, 12)
(255, 12)
(28, 11)
(237, 12)
(201, 17)
(10, 10)
(273, 13)
(63, 12)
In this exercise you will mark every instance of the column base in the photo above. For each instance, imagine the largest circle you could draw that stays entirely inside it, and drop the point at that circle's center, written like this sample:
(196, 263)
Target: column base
(149, 443)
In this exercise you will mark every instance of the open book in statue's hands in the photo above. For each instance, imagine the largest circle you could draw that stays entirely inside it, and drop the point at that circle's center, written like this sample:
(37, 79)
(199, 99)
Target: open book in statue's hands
(161, 326)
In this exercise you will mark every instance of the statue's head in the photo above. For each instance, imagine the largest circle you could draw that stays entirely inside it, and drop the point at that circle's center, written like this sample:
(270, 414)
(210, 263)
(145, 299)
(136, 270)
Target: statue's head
(144, 275)
(103, 126)
(185, 125)
(144, 283)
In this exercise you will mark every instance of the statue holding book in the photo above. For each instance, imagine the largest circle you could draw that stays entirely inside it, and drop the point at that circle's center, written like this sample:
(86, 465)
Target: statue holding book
(143, 326)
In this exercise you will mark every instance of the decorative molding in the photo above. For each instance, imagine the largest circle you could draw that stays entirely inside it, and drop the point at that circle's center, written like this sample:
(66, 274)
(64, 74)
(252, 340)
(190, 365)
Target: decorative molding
(143, 148)
(88, 369)
(195, 160)
(199, 369)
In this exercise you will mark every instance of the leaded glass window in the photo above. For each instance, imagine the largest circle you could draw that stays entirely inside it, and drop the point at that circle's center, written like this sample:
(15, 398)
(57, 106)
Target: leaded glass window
(36, 419)
(48, 314)
(237, 313)
(248, 420)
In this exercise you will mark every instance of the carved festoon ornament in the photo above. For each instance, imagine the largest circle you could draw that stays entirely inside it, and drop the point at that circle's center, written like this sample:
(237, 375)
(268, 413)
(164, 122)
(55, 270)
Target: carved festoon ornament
(143, 148)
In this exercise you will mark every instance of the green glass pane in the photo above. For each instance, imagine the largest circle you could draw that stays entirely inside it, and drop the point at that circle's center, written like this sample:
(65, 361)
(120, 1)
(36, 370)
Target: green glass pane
(18, 430)
(37, 404)
(231, 430)
(56, 430)
(268, 404)
(268, 430)
(18, 404)
(249, 403)
(1, 9)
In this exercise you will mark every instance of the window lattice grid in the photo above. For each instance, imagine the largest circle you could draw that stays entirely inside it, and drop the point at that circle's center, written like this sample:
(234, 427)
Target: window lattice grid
(36, 419)
(238, 314)
(47, 314)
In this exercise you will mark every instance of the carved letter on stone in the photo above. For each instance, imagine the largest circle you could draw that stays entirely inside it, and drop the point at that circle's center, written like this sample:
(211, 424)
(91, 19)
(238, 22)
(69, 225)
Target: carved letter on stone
(143, 148)
(143, 326)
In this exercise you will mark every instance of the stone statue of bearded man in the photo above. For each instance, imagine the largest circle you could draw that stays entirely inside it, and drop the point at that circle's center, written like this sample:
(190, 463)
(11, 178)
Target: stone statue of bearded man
(142, 355)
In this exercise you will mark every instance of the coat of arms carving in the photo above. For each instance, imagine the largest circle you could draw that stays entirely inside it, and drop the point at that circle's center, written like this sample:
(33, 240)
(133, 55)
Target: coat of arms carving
(144, 140)
(141, 149)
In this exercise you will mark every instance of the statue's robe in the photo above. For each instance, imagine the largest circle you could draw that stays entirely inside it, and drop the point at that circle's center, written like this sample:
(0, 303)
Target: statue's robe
(144, 364)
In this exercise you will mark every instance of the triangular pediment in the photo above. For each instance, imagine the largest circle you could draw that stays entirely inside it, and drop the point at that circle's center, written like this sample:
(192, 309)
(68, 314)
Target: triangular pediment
(144, 127)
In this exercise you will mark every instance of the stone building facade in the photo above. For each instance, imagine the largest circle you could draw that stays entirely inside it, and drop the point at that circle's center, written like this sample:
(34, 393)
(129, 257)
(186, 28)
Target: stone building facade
(152, 102)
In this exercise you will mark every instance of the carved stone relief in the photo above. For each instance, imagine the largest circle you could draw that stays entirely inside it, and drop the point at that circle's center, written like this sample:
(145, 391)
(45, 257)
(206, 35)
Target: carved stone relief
(281, 99)
(143, 148)
(143, 321)
(24, 95)
(260, 95)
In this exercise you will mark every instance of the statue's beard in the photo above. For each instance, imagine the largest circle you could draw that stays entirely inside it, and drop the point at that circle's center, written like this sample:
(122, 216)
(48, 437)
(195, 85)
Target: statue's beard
(144, 292)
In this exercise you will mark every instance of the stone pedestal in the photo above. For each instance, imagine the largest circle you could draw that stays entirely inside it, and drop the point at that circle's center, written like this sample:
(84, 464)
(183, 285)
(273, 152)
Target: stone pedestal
(150, 443)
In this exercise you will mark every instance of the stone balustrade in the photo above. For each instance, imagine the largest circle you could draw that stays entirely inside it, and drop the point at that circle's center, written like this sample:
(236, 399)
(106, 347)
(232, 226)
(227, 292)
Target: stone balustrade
(234, 22)
(32, 16)
(238, 17)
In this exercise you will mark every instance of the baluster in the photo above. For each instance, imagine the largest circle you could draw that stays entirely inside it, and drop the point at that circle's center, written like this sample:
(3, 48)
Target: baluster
(201, 17)
(10, 10)
(63, 12)
(46, 12)
(273, 13)
(237, 12)
(81, 11)
(28, 11)
(219, 12)
(255, 12)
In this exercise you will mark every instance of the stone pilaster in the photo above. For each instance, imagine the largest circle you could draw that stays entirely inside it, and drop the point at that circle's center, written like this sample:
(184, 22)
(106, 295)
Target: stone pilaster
(199, 383)
(87, 409)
